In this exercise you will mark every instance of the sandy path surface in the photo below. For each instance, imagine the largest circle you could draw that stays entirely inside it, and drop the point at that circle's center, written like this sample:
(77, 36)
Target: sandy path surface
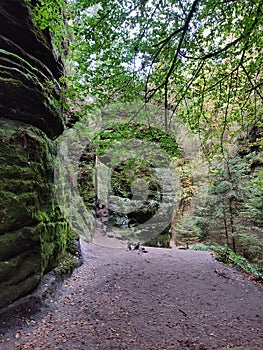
(161, 300)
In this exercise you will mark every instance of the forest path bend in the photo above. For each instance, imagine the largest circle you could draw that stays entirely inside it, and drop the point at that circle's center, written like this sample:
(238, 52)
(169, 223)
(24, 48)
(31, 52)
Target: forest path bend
(161, 300)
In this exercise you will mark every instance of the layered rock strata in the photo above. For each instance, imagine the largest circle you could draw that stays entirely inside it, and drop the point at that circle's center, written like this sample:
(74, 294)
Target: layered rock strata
(33, 234)
(29, 88)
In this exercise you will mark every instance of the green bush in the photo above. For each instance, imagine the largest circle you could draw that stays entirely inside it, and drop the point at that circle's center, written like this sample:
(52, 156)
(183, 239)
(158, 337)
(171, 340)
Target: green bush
(227, 256)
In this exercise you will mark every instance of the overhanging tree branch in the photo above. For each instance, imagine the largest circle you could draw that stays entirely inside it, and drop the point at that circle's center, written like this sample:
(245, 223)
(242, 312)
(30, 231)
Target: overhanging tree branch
(184, 30)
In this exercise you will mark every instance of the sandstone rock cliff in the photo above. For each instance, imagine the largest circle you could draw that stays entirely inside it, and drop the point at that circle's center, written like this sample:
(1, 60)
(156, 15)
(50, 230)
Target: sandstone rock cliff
(33, 234)
(29, 88)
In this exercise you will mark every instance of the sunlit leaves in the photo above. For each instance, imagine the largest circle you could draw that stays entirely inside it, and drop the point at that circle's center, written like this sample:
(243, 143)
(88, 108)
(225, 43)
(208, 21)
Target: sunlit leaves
(202, 60)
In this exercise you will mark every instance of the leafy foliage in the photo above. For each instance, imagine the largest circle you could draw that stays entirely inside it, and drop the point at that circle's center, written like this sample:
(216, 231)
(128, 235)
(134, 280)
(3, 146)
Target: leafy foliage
(200, 60)
(135, 131)
(253, 207)
(224, 197)
(51, 15)
(250, 246)
(227, 256)
(230, 213)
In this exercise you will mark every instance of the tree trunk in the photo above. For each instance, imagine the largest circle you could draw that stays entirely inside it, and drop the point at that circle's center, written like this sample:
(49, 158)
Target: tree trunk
(226, 230)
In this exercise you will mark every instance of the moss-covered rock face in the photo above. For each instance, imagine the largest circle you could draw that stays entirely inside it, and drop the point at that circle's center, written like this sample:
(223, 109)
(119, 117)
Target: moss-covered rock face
(33, 234)
(135, 195)
(26, 169)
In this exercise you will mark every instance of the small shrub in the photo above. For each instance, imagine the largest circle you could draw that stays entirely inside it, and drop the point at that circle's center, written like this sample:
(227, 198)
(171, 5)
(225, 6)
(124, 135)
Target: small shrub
(227, 256)
(67, 264)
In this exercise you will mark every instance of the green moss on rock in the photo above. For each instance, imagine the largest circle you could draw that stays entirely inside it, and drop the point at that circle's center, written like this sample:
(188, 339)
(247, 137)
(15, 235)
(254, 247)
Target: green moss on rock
(26, 174)
(56, 240)
(34, 236)
(16, 242)
(118, 132)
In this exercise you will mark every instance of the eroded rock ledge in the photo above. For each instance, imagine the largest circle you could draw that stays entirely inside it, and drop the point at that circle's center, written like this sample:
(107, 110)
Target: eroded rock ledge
(29, 88)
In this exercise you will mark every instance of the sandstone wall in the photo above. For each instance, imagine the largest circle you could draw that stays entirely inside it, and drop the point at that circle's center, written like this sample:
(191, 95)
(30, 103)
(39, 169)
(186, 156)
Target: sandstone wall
(29, 88)
(33, 234)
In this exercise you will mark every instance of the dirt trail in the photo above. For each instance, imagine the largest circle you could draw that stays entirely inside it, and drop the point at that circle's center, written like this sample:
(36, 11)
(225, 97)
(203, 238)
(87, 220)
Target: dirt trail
(161, 300)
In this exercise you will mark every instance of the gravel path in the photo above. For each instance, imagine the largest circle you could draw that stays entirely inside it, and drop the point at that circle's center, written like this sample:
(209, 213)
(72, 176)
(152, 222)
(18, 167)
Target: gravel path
(161, 300)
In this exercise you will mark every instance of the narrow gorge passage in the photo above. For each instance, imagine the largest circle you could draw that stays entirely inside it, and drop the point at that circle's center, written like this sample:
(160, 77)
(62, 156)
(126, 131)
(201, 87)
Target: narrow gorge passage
(161, 300)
